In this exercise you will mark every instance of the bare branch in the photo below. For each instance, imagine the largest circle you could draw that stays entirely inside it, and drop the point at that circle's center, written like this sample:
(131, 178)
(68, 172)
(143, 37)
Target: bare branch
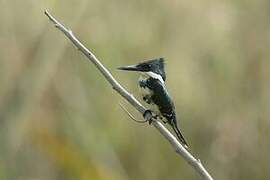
(195, 163)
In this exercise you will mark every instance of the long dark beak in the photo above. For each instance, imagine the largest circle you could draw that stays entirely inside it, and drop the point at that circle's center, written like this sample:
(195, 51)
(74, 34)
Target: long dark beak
(130, 68)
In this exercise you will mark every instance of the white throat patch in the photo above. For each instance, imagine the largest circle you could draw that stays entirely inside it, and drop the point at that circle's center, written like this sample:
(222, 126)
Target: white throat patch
(155, 76)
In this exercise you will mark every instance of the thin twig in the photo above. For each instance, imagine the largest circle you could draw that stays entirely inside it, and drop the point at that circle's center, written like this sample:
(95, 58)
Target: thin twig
(130, 115)
(195, 163)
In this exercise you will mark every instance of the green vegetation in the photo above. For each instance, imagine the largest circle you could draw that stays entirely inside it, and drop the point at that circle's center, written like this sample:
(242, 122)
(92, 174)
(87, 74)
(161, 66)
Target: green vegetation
(59, 119)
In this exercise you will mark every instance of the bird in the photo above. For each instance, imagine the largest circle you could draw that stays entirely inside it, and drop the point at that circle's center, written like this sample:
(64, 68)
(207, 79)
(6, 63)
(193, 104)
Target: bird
(154, 92)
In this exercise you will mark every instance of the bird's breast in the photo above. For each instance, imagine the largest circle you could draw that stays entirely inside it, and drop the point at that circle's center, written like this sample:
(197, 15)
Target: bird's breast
(145, 91)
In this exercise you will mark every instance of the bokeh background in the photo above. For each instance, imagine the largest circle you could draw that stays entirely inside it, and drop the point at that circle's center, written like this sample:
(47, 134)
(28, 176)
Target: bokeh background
(59, 118)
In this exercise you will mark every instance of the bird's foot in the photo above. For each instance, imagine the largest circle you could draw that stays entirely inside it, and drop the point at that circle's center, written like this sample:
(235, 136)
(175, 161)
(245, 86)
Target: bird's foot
(148, 114)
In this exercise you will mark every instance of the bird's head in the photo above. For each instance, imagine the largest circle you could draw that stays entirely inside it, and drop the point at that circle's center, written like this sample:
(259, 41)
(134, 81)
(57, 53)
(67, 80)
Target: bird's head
(153, 68)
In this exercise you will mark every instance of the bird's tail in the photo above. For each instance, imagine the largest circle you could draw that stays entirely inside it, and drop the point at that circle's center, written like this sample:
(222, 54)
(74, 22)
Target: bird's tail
(178, 133)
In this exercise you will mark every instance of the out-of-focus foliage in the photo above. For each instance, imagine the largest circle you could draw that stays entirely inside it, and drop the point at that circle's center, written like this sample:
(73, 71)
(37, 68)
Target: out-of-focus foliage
(61, 120)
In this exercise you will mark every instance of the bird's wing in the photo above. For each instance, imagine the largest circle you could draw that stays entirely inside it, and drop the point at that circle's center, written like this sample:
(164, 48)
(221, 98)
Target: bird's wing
(161, 96)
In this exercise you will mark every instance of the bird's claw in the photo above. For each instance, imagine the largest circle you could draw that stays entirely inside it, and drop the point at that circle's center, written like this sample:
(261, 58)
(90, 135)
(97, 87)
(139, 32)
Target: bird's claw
(148, 111)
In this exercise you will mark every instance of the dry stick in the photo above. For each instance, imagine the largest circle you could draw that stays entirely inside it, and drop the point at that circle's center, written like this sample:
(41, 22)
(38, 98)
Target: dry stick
(195, 163)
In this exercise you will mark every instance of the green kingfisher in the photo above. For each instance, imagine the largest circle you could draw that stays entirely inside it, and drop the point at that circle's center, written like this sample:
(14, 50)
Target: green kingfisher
(154, 92)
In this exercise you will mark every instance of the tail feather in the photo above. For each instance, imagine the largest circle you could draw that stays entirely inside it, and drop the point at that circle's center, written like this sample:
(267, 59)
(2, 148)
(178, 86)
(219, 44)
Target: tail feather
(178, 133)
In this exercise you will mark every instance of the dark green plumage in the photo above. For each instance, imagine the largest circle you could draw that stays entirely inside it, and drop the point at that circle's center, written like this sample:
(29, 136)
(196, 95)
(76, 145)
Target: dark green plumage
(155, 92)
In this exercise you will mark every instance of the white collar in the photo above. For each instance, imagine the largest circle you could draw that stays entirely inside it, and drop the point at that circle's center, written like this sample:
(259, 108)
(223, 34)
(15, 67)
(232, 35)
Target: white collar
(155, 76)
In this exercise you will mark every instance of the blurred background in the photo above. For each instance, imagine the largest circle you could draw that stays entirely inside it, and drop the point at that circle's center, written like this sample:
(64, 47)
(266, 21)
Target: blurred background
(59, 118)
